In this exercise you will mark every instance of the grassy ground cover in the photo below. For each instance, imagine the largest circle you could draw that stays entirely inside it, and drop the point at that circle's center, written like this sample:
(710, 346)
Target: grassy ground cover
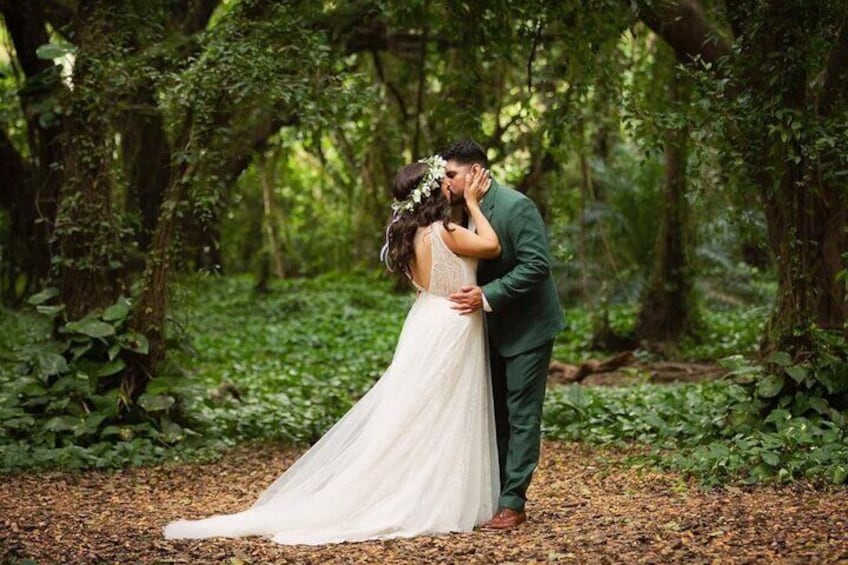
(284, 365)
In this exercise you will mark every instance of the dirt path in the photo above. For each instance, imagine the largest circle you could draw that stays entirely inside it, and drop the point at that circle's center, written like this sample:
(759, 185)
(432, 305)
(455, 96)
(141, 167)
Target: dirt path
(587, 507)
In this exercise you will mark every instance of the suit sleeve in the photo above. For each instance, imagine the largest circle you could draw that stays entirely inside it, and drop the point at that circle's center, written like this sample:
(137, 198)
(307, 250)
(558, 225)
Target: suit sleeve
(526, 231)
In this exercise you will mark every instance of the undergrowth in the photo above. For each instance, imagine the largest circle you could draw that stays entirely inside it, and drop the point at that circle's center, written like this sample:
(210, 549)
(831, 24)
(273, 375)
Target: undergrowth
(286, 364)
(715, 431)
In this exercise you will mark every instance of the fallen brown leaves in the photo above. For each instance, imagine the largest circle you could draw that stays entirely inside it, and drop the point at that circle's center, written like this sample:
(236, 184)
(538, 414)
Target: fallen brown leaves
(586, 506)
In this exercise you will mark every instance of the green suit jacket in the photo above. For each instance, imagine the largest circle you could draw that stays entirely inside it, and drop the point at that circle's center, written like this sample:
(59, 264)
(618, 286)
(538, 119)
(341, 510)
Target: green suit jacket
(518, 284)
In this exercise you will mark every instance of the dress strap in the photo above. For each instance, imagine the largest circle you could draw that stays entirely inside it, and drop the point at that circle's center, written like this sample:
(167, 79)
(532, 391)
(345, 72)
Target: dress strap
(443, 248)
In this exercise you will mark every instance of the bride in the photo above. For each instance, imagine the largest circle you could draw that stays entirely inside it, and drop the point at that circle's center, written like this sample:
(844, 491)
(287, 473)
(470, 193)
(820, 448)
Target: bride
(417, 454)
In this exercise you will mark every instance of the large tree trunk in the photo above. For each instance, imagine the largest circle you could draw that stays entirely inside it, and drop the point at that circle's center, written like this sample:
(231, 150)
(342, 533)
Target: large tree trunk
(145, 148)
(806, 210)
(668, 307)
(150, 310)
(807, 233)
(146, 156)
(86, 228)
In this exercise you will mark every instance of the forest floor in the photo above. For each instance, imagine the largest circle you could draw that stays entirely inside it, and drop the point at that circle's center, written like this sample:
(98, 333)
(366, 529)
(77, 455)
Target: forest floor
(588, 505)
(630, 372)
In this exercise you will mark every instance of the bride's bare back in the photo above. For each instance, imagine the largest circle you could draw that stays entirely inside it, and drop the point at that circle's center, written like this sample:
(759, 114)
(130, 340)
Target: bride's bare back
(437, 268)
(422, 265)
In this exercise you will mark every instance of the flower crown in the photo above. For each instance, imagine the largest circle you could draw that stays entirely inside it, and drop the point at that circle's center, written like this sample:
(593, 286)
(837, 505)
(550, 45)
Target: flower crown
(435, 172)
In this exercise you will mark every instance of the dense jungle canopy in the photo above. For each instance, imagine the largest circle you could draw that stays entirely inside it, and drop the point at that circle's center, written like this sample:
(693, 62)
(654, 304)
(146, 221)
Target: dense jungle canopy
(687, 156)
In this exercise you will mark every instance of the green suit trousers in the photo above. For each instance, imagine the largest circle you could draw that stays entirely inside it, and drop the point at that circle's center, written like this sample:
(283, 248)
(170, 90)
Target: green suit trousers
(518, 388)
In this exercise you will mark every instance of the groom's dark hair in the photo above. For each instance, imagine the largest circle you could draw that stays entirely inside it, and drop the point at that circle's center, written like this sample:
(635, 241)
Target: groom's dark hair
(466, 151)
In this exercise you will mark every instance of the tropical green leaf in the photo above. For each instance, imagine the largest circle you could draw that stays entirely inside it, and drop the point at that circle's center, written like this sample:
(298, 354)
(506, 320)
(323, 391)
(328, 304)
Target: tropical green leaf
(770, 458)
(7, 413)
(80, 350)
(91, 328)
(106, 402)
(78, 383)
(91, 423)
(60, 423)
(835, 379)
(33, 389)
(780, 358)
(171, 431)
(50, 51)
(116, 312)
(161, 385)
(20, 423)
(135, 341)
(43, 296)
(111, 368)
(819, 404)
(797, 373)
(50, 310)
(51, 364)
(113, 351)
(769, 386)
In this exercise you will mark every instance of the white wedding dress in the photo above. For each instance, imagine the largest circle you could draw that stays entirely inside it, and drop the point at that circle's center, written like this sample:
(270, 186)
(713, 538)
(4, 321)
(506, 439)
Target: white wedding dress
(416, 455)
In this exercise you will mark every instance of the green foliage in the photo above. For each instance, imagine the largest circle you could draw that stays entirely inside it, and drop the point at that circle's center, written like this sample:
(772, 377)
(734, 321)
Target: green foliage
(723, 333)
(612, 246)
(713, 431)
(777, 421)
(63, 402)
(726, 332)
(18, 328)
(817, 385)
(299, 356)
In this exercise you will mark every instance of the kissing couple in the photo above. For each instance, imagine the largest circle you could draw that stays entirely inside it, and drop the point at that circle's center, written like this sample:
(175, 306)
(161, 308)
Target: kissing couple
(448, 438)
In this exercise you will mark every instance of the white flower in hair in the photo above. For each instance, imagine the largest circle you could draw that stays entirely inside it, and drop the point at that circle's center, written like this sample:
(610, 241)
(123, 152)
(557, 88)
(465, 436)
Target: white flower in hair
(435, 173)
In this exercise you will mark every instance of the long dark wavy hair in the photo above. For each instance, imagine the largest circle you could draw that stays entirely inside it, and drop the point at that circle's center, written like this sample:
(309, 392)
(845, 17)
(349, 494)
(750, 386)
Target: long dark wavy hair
(400, 232)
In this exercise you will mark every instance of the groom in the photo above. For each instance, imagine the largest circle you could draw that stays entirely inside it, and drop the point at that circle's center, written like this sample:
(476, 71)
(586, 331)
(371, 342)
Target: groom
(523, 316)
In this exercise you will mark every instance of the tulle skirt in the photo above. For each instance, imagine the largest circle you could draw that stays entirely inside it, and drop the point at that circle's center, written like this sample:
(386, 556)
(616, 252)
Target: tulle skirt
(416, 455)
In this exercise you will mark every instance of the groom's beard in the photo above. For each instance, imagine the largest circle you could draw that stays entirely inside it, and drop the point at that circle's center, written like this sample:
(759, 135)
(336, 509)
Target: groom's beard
(455, 199)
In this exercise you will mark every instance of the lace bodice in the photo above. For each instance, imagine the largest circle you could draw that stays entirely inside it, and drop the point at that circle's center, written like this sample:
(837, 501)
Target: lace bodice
(449, 271)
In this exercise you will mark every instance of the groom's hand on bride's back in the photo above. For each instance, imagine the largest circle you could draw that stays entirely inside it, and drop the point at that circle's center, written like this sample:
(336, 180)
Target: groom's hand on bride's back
(469, 299)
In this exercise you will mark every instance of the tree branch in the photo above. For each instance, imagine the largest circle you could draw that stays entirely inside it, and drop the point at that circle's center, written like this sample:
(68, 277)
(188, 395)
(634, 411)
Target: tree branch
(381, 76)
(374, 35)
(252, 140)
(684, 26)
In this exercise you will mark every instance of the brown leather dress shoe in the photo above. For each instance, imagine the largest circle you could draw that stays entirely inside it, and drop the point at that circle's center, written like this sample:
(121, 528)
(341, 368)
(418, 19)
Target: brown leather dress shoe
(505, 519)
